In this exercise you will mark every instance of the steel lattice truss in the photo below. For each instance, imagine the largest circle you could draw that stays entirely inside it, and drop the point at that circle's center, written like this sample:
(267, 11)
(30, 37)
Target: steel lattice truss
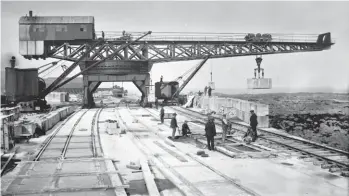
(166, 51)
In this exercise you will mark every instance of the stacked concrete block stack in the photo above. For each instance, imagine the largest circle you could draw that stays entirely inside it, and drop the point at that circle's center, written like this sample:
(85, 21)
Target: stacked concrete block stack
(59, 97)
(236, 107)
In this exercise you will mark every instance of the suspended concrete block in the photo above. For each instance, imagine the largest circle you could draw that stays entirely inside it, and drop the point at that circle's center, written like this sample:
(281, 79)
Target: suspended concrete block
(259, 83)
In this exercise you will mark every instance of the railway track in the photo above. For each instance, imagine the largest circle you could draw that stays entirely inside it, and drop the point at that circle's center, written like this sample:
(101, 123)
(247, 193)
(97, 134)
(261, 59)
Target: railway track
(66, 145)
(48, 141)
(69, 161)
(328, 158)
(190, 188)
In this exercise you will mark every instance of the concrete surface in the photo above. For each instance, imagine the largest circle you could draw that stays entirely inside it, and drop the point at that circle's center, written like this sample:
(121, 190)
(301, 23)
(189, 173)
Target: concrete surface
(282, 176)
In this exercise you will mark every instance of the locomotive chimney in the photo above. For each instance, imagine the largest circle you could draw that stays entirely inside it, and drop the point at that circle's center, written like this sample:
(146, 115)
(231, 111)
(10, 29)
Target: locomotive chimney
(30, 13)
(13, 62)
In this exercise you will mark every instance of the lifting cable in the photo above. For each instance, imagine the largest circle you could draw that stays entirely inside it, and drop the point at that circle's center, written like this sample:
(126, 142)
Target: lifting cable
(53, 64)
(49, 71)
(188, 72)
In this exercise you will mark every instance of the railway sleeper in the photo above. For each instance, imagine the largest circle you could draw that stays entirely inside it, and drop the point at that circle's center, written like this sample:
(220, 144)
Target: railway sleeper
(318, 163)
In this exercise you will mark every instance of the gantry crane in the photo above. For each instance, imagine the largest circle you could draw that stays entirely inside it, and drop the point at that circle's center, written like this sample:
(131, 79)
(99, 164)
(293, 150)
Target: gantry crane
(116, 59)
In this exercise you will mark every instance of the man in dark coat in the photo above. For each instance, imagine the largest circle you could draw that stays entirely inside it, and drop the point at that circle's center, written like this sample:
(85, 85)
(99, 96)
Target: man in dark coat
(209, 91)
(253, 124)
(38, 130)
(205, 90)
(174, 125)
(162, 114)
(185, 129)
(210, 129)
(156, 103)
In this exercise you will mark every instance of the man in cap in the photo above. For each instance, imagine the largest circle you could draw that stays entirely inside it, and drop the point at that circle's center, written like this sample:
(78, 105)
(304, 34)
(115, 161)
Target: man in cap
(162, 114)
(174, 125)
(185, 129)
(210, 132)
(253, 124)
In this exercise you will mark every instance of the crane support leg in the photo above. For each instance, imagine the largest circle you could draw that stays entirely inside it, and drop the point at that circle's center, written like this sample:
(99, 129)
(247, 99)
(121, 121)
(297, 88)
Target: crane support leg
(94, 85)
(89, 88)
(142, 84)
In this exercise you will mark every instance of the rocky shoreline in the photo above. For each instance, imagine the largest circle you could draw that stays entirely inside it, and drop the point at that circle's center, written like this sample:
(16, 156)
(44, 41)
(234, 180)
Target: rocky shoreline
(328, 129)
(319, 117)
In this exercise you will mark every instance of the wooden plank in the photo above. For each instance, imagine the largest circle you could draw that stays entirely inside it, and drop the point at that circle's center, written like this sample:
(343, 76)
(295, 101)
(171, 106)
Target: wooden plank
(171, 152)
(55, 190)
(149, 179)
(115, 180)
(9, 160)
(74, 160)
(63, 174)
(234, 181)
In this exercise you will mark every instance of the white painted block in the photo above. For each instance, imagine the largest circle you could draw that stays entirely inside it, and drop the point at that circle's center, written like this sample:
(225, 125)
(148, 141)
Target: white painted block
(259, 83)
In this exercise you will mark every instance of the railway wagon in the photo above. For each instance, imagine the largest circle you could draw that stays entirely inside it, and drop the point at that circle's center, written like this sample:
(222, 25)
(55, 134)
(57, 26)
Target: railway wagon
(34, 31)
(165, 90)
(21, 84)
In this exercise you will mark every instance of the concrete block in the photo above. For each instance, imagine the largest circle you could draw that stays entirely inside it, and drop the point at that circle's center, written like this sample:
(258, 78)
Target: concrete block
(134, 165)
(345, 173)
(263, 121)
(334, 169)
(259, 83)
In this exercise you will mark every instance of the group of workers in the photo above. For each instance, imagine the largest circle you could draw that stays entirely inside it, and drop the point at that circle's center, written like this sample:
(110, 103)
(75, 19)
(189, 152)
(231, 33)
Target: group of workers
(210, 128)
(174, 125)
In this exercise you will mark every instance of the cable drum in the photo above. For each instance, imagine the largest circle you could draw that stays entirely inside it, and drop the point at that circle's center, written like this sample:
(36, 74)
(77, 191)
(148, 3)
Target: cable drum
(42, 84)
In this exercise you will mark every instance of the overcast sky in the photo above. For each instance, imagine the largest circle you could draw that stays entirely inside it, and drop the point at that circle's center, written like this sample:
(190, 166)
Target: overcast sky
(325, 69)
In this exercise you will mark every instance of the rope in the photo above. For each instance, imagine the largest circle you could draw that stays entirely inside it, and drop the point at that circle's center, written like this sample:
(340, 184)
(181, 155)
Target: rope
(51, 70)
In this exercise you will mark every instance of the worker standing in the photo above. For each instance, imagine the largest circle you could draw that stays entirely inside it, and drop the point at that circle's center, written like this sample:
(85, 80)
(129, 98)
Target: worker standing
(156, 103)
(103, 34)
(38, 130)
(224, 127)
(162, 114)
(205, 90)
(185, 129)
(210, 132)
(209, 91)
(161, 79)
(174, 125)
(253, 124)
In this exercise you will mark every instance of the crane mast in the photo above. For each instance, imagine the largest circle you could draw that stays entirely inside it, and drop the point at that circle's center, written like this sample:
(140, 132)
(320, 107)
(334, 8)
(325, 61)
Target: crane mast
(190, 77)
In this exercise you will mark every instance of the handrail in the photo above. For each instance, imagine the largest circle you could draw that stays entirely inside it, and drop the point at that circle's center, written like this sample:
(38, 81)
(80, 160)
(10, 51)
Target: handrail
(115, 35)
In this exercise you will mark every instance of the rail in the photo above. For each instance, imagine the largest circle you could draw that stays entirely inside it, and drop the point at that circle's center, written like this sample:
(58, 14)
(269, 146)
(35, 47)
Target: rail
(49, 139)
(340, 152)
(193, 188)
(185, 36)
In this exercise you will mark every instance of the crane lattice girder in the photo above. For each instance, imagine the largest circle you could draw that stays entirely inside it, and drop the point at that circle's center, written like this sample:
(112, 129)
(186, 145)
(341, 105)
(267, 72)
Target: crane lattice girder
(166, 51)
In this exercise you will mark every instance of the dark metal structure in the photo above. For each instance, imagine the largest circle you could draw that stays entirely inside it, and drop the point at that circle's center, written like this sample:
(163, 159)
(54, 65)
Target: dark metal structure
(117, 56)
